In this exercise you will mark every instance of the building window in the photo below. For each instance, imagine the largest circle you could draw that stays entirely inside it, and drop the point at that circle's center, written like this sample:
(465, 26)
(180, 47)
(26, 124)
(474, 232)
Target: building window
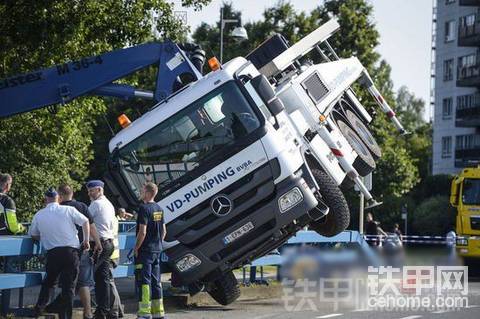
(467, 142)
(467, 66)
(468, 101)
(467, 26)
(449, 1)
(447, 108)
(450, 31)
(468, 21)
(448, 70)
(467, 60)
(446, 146)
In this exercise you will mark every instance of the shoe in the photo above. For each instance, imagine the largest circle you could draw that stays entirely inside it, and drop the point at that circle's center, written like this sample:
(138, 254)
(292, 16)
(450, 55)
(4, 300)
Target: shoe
(100, 315)
(53, 308)
(38, 311)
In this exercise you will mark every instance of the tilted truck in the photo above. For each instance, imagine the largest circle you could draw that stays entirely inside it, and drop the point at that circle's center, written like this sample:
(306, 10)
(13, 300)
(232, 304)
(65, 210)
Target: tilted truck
(465, 197)
(244, 156)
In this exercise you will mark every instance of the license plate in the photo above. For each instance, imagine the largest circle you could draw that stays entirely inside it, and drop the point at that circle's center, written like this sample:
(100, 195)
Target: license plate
(238, 233)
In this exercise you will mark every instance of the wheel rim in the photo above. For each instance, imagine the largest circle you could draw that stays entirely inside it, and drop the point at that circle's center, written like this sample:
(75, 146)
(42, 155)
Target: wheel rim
(357, 144)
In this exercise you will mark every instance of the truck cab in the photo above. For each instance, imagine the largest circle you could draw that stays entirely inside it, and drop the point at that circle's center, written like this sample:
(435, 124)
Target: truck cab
(465, 197)
(232, 177)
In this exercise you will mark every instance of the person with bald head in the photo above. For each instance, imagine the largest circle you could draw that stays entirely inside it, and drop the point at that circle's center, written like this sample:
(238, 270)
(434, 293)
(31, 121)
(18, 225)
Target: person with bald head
(55, 227)
(103, 214)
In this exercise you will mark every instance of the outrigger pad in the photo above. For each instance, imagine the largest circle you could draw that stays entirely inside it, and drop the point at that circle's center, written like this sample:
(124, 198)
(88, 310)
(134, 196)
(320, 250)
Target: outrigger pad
(373, 203)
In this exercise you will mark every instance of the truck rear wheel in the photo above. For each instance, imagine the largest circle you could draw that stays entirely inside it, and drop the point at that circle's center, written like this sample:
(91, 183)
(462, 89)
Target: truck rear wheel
(338, 218)
(364, 133)
(225, 289)
(364, 163)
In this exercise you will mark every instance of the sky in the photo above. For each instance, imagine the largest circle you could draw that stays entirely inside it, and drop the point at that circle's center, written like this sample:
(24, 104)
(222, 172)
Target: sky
(404, 25)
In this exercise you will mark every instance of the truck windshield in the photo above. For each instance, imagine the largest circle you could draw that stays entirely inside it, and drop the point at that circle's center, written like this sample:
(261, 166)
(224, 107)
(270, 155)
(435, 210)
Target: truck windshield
(471, 192)
(191, 138)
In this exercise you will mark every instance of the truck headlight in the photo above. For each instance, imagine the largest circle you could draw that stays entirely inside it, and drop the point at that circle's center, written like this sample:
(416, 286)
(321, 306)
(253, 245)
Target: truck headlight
(462, 241)
(188, 262)
(290, 199)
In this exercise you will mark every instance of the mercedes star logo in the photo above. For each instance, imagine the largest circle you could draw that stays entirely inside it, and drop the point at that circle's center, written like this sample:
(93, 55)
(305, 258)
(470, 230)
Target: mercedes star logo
(221, 205)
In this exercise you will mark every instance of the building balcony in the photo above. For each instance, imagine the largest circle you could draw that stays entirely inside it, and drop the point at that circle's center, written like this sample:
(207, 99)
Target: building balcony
(468, 75)
(469, 35)
(466, 157)
(469, 2)
(468, 117)
(467, 149)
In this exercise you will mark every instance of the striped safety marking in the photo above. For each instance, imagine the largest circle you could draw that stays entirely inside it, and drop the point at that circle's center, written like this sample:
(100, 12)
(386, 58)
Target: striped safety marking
(379, 99)
(336, 152)
(390, 114)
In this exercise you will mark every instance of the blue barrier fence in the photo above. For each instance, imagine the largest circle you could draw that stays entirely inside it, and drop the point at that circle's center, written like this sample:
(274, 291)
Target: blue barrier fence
(14, 246)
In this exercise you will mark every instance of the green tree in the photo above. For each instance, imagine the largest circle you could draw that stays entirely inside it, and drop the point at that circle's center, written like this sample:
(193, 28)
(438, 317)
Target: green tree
(410, 109)
(434, 216)
(40, 149)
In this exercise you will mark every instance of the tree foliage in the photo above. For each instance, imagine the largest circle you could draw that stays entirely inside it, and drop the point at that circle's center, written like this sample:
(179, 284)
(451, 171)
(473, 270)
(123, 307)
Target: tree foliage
(434, 216)
(40, 149)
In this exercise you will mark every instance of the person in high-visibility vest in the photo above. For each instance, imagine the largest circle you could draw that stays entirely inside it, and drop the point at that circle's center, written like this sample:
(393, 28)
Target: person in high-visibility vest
(8, 211)
(9, 224)
(151, 232)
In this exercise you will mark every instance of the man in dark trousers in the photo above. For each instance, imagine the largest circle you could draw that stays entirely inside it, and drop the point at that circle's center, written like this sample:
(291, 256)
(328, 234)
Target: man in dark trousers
(373, 230)
(151, 232)
(103, 214)
(55, 226)
(85, 275)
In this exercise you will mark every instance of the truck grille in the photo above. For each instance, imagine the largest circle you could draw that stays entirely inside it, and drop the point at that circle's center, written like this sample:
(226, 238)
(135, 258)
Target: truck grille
(475, 222)
(247, 194)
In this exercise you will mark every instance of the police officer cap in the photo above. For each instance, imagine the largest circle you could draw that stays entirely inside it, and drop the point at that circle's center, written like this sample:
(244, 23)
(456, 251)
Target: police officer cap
(51, 192)
(95, 183)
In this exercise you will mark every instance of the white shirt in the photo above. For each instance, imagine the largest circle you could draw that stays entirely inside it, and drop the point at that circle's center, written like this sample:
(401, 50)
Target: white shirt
(103, 215)
(55, 224)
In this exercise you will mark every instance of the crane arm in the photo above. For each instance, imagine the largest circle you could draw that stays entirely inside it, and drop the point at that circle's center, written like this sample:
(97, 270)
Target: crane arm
(95, 75)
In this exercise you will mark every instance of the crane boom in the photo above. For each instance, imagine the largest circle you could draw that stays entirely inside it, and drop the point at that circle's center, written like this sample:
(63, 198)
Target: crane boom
(94, 75)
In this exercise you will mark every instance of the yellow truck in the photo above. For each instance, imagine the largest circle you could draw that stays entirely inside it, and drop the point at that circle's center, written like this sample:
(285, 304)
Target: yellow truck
(465, 197)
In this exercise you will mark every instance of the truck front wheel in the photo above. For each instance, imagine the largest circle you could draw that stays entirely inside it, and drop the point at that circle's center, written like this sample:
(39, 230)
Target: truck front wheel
(225, 289)
(338, 218)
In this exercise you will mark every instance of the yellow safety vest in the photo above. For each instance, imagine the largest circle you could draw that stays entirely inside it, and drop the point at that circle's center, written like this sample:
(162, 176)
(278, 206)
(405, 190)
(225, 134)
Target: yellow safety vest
(8, 210)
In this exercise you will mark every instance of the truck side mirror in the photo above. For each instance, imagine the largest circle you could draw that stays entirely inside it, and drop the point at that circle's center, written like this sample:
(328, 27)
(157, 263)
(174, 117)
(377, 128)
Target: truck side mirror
(454, 191)
(275, 106)
(263, 88)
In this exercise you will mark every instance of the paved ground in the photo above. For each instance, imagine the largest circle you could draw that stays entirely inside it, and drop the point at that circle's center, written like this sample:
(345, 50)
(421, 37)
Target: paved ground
(274, 308)
(252, 307)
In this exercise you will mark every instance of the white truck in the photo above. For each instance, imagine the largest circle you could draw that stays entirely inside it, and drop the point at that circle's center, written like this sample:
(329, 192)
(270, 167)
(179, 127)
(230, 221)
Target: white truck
(244, 156)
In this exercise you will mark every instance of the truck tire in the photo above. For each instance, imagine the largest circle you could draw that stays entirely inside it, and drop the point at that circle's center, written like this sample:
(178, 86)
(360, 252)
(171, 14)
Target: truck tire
(364, 133)
(338, 218)
(364, 163)
(225, 289)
